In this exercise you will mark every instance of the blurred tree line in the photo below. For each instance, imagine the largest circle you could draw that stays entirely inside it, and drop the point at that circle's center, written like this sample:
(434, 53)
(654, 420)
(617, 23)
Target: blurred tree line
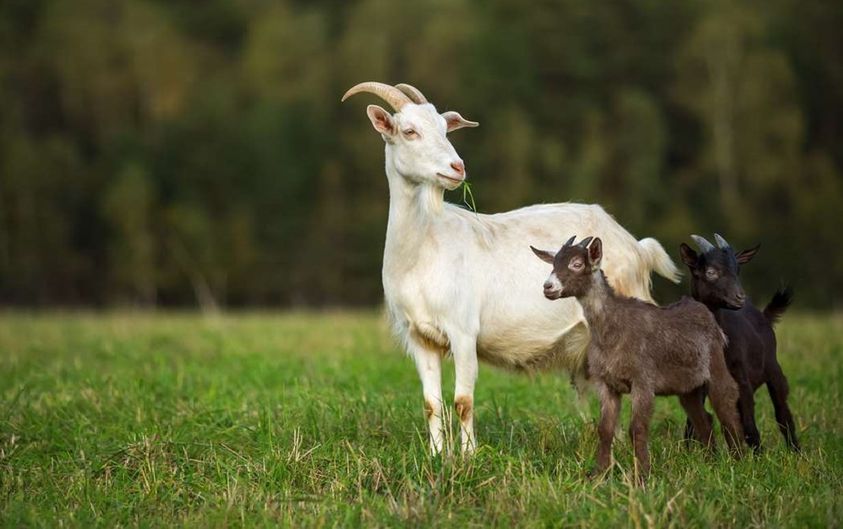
(172, 152)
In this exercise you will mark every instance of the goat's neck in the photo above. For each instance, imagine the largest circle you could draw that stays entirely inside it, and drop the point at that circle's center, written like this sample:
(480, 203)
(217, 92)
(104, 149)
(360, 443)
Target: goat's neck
(413, 208)
(718, 313)
(596, 302)
(715, 310)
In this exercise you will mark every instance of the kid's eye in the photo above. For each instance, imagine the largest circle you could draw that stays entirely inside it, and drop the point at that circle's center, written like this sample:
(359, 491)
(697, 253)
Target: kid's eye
(711, 274)
(576, 265)
(411, 133)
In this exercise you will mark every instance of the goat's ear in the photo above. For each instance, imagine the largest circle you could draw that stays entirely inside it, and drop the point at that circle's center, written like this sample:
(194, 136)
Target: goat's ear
(454, 121)
(595, 252)
(689, 256)
(544, 255)
(381, 120)
(747, 255)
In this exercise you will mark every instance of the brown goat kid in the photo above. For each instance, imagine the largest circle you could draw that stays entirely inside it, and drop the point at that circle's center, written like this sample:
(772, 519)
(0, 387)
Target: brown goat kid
(644, 350)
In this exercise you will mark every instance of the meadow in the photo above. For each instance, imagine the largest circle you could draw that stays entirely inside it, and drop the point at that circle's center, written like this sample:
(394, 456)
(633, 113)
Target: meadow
(315, 419)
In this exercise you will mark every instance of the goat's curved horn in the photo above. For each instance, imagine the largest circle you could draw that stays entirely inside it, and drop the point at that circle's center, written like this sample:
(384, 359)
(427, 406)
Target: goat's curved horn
(702, 244)
(721, 242)
(585, 242)
(395, 97)
(570, 241)
(413, 93)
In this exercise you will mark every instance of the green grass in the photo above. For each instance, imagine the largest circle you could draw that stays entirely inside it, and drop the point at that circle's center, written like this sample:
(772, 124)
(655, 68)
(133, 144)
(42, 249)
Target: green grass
(316, 420)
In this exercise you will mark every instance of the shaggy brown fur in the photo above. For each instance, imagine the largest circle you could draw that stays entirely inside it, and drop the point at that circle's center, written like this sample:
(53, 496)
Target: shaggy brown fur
(645, 350)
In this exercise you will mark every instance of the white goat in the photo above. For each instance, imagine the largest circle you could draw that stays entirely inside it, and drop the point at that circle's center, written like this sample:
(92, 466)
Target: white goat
(468, 283)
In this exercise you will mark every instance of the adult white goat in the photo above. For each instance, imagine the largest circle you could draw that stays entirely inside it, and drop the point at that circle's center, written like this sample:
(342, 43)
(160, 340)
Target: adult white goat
(469, 283)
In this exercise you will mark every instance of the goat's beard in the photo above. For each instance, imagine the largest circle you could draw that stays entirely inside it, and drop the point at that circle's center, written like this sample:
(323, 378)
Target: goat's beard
(447, 182)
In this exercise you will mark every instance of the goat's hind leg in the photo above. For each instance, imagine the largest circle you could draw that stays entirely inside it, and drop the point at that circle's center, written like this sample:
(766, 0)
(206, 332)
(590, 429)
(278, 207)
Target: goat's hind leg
(723, 392)
(778, 388)
(690, 432)
(699, 423)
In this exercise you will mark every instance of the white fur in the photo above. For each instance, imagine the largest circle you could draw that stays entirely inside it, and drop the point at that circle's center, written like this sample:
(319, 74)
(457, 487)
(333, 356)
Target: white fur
(552, 285)
(469, 284)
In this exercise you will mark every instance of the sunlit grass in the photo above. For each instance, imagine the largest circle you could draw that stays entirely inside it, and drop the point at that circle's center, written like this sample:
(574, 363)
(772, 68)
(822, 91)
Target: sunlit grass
(316, 419)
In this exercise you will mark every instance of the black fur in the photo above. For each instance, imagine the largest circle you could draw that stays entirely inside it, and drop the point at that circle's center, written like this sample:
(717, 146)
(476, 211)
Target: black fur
(751, 351)
(776, 307)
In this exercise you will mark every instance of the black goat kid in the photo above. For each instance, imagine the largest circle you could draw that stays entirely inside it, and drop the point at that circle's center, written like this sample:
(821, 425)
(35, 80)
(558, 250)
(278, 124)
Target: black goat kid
(751, 351)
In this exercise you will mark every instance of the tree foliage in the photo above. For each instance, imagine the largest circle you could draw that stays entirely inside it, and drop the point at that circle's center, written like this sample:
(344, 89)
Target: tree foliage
(178, 153)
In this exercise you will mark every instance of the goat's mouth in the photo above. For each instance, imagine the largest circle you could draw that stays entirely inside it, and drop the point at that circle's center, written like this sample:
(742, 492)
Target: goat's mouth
(734, 301)
(553, 294)
(451, 182)
(734, 304)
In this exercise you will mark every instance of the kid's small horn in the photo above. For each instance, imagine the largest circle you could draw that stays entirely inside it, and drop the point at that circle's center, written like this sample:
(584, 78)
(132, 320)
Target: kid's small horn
(702, 244)
(721, 242)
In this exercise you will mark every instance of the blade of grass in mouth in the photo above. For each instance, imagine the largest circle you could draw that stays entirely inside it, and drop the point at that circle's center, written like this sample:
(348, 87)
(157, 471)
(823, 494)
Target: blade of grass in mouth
(467, 196)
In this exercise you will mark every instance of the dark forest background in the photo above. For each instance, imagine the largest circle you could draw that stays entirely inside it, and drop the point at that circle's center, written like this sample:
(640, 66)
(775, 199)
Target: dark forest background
(180, 152)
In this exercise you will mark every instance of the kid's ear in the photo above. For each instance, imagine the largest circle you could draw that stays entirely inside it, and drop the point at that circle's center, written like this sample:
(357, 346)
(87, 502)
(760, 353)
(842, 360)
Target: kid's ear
(544, 255)
(689, 256)
(381, 120)
(455, 121)
(595, 252)
(747, 255)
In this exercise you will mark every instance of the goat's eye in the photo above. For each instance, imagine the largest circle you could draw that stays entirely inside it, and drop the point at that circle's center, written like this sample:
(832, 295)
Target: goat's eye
(411, 133)
(576, 265)
(711, 274)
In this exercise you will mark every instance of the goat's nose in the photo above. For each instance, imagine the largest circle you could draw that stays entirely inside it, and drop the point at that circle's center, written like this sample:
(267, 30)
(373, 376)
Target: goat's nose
(741, 296)
(548, 285)
(459, 167)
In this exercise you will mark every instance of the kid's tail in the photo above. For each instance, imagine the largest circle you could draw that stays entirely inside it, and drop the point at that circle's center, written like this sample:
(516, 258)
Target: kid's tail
(658, 259)
(778, 305)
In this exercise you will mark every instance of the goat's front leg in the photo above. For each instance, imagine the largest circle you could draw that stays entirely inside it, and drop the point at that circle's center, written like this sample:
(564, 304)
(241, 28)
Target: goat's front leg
(639, 428)
(746, 408)
(610, 406)
(429, 365)
(464, 349)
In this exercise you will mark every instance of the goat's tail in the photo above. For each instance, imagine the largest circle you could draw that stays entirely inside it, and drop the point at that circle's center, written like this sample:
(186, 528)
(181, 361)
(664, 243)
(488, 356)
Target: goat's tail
(778, 305)
(658, 259)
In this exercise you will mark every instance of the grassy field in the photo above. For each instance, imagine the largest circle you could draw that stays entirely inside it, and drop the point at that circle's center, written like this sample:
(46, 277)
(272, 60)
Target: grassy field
(316, 420)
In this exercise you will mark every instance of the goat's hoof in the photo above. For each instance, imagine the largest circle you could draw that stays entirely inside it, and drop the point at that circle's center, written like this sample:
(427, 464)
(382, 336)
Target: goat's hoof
(737, 453)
